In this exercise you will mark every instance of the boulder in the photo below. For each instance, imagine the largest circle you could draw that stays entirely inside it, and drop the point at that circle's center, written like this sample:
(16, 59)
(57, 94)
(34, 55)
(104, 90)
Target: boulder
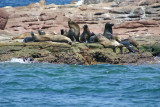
(96, 1)
(42, 2)
(138, 24)
(146, 2)
(44, 16)
(138, 2)
(3, 18)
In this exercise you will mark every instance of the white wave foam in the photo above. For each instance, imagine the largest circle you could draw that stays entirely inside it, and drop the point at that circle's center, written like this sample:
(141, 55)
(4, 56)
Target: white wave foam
(20, 60)
(80, 2)
(157, 59)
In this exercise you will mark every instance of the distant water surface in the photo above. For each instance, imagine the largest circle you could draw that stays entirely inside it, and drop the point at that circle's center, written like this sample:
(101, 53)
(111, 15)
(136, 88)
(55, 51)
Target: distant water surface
(16, 3)
(51, 85)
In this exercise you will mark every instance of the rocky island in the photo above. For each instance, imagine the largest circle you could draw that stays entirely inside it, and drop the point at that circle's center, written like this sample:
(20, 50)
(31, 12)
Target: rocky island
(136, 19)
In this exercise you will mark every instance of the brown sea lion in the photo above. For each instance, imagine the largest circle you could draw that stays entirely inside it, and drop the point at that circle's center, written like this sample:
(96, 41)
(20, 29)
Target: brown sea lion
(132, 41)
(108, 31)
(22, 36)
(51, 37)
(28, 39)
(31, 39)
(109, 43)
(74, 30)
(128, 43)
(85, 36)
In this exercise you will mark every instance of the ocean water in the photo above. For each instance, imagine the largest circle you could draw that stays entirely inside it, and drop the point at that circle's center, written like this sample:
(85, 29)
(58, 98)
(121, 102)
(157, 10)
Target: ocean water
(16, 3)
(52, 85)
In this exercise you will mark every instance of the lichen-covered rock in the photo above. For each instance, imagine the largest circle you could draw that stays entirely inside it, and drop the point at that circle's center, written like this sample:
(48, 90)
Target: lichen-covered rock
(62, 53)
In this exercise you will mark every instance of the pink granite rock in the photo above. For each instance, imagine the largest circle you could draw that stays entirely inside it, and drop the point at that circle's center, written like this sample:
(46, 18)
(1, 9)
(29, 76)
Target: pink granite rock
(3, 18)
(42, 2)
(138, 2)
(138, 24)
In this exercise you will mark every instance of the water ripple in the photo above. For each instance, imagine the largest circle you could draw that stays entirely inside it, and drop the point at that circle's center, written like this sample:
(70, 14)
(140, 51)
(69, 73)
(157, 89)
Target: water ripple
(71, 85)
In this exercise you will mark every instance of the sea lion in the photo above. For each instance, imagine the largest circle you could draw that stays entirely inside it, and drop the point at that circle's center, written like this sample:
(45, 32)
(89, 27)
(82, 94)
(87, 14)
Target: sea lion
(71, 34)
(22, 36)
(28, 39)
(74, 30)
(93, 38)
(85, 36)
(128, 45)
(131, 41)
(51, 37)
(108, 31)
(109, 43)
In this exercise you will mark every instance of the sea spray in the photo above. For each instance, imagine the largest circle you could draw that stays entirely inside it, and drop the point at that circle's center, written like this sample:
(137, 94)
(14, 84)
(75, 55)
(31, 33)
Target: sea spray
(80, 2)
(20, 60)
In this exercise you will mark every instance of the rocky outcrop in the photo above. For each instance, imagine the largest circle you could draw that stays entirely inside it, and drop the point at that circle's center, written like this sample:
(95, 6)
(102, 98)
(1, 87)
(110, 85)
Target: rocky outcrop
(140, 22)
(78, 53)
(3, 18)
(52, 18)
(123, 2)
(138, 2)
(96, 1)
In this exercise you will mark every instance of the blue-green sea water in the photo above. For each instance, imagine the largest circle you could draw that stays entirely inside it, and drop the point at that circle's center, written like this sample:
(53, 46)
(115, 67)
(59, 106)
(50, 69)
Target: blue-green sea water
(16, 3)
(51, 85)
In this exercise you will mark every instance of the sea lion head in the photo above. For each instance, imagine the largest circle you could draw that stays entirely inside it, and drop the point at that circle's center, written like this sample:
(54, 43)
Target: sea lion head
(85, 27)
(108, 25)
(32, 34)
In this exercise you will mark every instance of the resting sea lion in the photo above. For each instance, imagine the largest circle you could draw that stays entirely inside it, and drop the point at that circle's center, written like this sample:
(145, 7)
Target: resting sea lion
(85, 36)
(22, 36)
(128, 45)
(109, 43)
(28, 39)
(74, 30)
(93, 38)
(131, 41)
(108, 30)
(51, 37)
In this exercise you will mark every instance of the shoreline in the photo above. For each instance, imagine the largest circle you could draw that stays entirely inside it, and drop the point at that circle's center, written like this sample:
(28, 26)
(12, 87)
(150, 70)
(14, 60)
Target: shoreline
(78, 53)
